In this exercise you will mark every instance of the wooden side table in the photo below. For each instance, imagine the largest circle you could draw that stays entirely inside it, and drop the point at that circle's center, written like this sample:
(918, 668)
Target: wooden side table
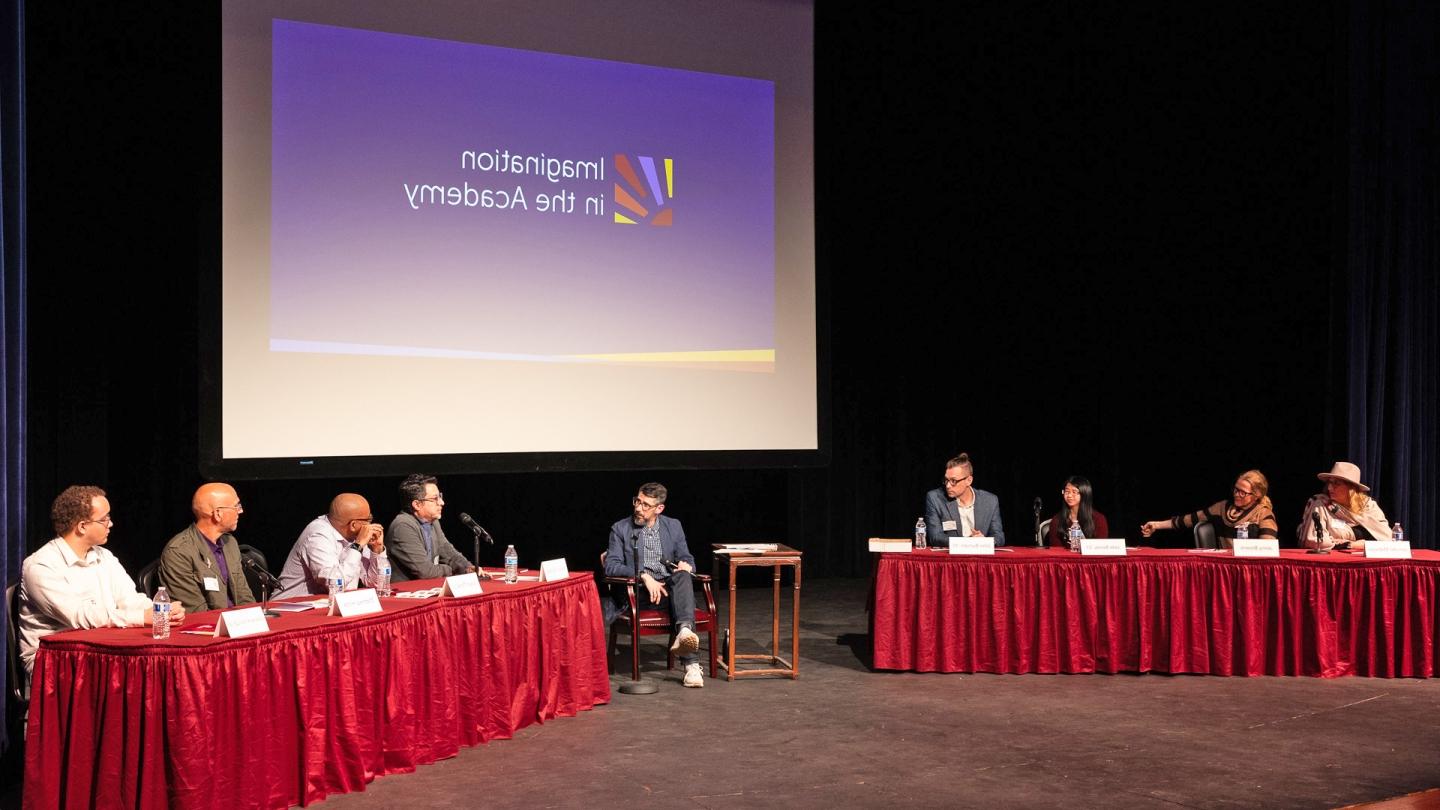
(745, 554)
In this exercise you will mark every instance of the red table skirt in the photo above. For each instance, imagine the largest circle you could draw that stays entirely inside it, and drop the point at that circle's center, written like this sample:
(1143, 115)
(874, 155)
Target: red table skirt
(1032, 610)
(322, 706)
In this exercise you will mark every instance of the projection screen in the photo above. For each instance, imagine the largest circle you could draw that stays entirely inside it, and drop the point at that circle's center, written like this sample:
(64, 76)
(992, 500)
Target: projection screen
(514, 235)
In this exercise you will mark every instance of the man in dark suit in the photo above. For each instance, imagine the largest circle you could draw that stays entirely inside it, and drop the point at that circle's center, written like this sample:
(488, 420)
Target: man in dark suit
(651, 546)
(959, 509)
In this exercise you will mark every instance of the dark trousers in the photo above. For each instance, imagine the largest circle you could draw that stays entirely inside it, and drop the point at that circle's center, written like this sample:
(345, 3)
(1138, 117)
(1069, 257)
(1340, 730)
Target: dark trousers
(680, 603)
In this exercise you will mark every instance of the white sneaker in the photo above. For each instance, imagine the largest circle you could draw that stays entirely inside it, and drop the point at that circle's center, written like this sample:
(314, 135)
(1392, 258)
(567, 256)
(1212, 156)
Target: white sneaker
(694, 676)
(686, 642)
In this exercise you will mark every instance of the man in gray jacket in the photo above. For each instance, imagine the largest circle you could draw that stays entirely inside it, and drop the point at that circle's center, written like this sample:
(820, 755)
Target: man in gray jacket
(417, 545)
(959, 509)
(200, 566)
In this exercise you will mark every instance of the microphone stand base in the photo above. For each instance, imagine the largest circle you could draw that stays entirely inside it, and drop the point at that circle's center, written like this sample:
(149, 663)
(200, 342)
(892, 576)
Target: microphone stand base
(639, 688)
(1318, 551)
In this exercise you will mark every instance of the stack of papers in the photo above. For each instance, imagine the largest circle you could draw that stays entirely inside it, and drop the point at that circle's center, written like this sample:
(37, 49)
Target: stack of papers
(425, 594)
(742, 548)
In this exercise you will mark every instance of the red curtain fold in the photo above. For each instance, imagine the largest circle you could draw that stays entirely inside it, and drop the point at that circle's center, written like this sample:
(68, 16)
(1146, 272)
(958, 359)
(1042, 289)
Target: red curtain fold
(1157, 611)
(288, 718)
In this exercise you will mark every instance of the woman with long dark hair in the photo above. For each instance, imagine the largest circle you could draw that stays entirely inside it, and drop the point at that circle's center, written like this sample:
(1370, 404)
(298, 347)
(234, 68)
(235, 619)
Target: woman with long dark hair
(1078, 507)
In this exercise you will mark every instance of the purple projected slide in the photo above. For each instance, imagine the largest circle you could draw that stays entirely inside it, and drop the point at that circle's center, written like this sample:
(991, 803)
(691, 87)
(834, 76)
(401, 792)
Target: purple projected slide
(449, 199)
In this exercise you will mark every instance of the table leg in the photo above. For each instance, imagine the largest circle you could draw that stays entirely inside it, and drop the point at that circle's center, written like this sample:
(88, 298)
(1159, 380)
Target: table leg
(795, 626)
(730, 653)
(775, 617)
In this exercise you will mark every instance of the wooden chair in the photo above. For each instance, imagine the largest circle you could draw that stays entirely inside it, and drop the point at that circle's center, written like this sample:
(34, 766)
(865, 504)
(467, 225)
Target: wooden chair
(650, 622)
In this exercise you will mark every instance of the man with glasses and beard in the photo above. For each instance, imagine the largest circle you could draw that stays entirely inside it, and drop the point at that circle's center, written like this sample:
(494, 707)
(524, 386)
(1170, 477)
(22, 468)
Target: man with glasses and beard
(958, 509)
(651, 546)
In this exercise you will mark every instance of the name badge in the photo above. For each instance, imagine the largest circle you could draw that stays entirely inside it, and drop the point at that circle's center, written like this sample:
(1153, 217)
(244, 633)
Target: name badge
(948, 526)
(241, 622)
(554, 570)
(1387, 549)
(1102, 546)
(355, 603)
(212, 584)
(462, 585)
(972, 545)
(1256, 547)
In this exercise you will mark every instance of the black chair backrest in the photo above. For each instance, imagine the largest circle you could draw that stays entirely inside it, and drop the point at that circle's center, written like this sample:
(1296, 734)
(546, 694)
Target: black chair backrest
(148, 580)
(258, 557)
(19, 684)
(1205, 535)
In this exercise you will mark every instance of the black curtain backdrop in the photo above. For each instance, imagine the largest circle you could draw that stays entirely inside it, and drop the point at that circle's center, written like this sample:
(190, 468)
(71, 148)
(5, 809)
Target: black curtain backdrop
(1391, 292)
(12, 315)
(1097, 239)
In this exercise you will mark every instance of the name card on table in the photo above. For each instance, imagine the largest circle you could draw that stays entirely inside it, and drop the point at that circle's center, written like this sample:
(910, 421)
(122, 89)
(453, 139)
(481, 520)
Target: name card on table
(355, 603)
(1102, 546)
(242, 622)
(891, 545)
(1387, 549)
(554, 570)
(972, 545)
(1256, 547)
(462, 585)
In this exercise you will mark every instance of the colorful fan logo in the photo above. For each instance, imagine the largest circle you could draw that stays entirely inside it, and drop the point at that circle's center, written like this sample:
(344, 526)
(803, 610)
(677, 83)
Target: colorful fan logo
(645, 201)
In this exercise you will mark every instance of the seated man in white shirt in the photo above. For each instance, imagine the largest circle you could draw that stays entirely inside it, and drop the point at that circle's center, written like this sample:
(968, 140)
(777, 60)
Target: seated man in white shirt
(72, 583)
(345, 538)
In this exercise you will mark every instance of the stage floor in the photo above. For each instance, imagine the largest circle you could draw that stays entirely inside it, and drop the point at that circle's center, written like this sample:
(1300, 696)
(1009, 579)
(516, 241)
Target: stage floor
(844, 736)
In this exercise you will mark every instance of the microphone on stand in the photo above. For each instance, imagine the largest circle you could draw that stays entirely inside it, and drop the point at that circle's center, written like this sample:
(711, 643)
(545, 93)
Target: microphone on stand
(268, 583)
(479, 533)
(1039, 507)
(1317, 517)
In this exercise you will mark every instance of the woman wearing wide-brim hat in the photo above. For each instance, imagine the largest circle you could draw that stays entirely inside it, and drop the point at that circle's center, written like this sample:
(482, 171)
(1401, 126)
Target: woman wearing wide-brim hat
(1349, 516)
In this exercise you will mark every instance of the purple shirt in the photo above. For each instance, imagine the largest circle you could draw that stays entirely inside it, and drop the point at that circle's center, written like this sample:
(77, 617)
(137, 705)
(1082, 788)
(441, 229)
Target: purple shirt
(217, 549)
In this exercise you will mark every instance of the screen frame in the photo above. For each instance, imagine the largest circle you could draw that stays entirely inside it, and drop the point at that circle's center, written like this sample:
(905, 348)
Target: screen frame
(214, 465)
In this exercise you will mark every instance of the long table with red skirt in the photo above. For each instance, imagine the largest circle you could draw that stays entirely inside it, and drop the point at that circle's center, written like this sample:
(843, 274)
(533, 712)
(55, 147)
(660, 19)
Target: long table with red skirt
(319, 705)
(1027, 610)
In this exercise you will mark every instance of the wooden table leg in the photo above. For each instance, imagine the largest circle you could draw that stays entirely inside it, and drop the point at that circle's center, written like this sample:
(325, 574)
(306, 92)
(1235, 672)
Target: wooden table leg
(775, 618)
(730, 653)
(795, 626)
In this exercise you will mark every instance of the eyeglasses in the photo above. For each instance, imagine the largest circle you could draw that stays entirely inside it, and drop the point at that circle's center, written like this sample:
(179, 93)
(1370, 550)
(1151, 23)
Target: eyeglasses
(1243, 492)
(238, 507)
(645, 507)
(438, 498)
(1065, 492)
(365, 519)
(106, 520)
(955, 482)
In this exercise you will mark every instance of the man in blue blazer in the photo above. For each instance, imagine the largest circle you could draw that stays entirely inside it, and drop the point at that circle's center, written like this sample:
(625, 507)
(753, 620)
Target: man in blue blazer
(651, 546)
(959, 509)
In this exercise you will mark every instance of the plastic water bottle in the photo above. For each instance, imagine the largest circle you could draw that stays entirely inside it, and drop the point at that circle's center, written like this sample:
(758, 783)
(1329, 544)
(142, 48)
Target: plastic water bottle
(336, 582)
(920, 539)
(512, 564)
(382, 576)
(1399, 532)
(160, 625)
(1242, 531)
(1076, 535)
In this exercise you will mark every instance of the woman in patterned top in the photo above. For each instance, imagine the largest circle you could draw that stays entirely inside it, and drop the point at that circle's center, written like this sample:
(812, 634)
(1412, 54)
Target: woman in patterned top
(1249, 505)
